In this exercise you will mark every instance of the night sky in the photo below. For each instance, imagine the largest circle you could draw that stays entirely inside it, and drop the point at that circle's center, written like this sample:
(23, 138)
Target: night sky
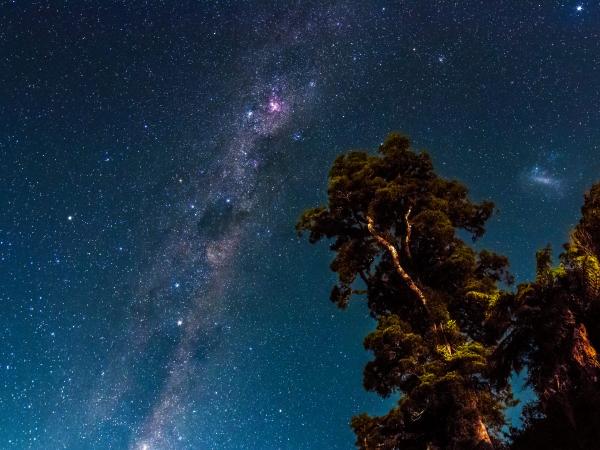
(154, 157)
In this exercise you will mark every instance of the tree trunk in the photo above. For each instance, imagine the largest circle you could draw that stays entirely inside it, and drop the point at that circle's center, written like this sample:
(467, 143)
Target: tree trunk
(483, 437)
(479, 430)
(584, 354)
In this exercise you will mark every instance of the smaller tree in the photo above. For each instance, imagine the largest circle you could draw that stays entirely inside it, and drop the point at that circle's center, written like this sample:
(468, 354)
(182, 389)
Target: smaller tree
(553, 329)
(394, 226)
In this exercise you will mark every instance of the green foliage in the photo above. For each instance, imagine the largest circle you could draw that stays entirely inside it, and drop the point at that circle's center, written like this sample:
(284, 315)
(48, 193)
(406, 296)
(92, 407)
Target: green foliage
(448, 334)
(554, 330)
(432, 304)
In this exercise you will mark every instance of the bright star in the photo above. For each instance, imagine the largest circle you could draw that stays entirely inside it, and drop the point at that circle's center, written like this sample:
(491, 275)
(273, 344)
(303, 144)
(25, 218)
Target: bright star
(579, 8)
(179, 322)
(70, 218)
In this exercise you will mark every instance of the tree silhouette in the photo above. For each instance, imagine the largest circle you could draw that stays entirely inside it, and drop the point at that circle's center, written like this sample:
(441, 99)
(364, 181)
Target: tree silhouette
(394, 224)
(553, 328)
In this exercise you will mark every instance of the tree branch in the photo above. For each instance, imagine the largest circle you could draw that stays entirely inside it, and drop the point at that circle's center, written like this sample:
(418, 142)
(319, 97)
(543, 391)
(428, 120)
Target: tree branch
(408, 231)
(396, 260)
(364, 276)
(391, 248)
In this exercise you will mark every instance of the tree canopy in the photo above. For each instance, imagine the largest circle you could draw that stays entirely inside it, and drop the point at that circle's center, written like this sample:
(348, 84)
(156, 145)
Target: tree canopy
(449, 329)
(554, 331)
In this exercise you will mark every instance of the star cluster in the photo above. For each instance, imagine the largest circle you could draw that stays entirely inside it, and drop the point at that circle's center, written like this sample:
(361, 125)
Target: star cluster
(155, 157)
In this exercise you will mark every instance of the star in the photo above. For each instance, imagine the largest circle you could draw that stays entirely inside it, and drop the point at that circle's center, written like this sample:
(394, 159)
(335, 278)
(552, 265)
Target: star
(579, 8)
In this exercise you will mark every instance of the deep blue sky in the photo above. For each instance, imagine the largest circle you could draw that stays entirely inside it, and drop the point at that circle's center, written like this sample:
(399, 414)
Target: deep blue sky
(154, 157)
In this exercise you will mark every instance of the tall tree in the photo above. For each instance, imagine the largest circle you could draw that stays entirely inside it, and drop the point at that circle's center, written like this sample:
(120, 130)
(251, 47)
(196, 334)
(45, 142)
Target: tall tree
(394, 224)
(553, 328)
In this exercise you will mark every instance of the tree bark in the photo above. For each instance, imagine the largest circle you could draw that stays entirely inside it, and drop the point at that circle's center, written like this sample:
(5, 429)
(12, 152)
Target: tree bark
(585, 354)
(485, 442)
(408, 233)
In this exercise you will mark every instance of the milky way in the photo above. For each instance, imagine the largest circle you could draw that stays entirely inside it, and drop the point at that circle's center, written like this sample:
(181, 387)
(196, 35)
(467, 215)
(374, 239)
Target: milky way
(222, 207)
(198, 255)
